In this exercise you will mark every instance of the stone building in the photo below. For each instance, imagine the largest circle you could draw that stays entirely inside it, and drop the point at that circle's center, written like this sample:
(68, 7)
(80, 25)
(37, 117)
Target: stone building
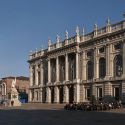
(80, 67)
(22, 86)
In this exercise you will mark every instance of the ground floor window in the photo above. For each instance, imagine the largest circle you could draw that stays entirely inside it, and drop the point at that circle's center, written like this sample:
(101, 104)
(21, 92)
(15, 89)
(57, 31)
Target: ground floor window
(88, 93)
(116, 93)
(99, 93)
(37, 95)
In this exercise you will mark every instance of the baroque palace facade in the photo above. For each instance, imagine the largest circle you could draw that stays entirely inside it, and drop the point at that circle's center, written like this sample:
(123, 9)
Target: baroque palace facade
(80, 66)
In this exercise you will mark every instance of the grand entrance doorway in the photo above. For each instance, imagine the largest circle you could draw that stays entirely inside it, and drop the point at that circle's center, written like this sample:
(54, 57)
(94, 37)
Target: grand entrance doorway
(61, 94)
(71, 93)
(52, 95)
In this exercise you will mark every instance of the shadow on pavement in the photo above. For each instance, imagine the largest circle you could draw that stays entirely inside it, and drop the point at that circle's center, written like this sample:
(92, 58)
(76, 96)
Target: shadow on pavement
(60, 117)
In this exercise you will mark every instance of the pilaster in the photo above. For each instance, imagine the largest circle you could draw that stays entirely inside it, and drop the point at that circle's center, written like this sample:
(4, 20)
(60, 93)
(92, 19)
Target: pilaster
(36, 73)
(48, 96)
(77, 66)
(107, 61)
(111, 69)
(31, 75)
(49, 72)
(66, 94)
(77, 93)
(41, 95)
(123, 59)
(56, 95)
(29, 96)
(96, 64)
(41, 67)
(83, 66)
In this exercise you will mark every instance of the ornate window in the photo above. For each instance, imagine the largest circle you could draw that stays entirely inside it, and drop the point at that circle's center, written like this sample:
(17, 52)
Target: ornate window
(89, 53)
(53, 71)
(116, 92)
(87, 93)
(101, 50)
(102, 67)
(90, 70)
(117, 46)
(99, 93)
(118, 65)
(62, 71)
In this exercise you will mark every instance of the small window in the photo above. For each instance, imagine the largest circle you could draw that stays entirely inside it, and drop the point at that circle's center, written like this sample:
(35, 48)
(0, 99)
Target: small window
(117, 46)
(89, 53)
(101, 50)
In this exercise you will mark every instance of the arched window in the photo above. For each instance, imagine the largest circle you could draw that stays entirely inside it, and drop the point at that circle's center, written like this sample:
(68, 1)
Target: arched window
(90, 70)
(118, 65)
(102, 67)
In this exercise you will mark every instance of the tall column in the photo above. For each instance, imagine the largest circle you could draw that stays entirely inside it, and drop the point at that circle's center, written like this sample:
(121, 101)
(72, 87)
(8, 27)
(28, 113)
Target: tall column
(56, 94)
(107, 61)
(66, 94)
(36, 73)
(83, 66)
(124, 59)
(31, 75)
(96, 64)
(77, 65)
(66, 68)
(49, 72)
(41, 73)
(57, 69)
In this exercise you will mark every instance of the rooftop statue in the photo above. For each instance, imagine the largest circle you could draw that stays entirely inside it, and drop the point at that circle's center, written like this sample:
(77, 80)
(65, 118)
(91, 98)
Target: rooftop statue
(66, 34)
(77, 30)
(13, 83)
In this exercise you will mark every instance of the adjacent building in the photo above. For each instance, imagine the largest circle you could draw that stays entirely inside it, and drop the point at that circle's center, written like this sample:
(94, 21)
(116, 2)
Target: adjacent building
(80, 67)
(22, 86)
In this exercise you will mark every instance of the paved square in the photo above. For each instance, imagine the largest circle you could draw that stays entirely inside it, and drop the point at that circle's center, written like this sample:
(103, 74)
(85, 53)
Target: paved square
(46, 116)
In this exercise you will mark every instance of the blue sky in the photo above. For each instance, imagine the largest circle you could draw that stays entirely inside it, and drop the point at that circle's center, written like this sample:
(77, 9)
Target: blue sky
(26, 25)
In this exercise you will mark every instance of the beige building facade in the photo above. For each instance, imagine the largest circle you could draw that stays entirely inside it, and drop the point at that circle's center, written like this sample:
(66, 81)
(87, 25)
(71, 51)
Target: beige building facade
(80, 67)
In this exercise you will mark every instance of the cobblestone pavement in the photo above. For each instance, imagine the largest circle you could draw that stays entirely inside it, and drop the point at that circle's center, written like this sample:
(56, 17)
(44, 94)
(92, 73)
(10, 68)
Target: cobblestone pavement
(37, 114)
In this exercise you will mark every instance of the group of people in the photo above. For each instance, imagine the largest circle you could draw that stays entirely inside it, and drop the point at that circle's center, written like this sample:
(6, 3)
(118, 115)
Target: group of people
(89, 106)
